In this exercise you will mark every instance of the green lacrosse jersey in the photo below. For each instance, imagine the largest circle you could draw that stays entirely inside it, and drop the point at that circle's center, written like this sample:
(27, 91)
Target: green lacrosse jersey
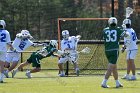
(112, 37)
(45, 52)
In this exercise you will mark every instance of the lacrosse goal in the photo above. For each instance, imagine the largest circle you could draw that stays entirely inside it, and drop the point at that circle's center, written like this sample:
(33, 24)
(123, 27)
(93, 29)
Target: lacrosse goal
(91, 31)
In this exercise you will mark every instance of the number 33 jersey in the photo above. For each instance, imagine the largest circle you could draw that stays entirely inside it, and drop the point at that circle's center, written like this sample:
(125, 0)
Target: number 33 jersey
(112, 37)
(21, 44)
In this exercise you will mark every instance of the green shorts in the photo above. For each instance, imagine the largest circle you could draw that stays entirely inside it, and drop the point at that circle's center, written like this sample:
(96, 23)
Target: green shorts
(35, 60)
(112, 56)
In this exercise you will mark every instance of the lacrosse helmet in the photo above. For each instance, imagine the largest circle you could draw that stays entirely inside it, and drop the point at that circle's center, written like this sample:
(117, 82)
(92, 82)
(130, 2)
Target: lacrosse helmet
(53, 43)
(127, 21)
(112, 21)
(25, 34)
(2, 24)
(65, 34)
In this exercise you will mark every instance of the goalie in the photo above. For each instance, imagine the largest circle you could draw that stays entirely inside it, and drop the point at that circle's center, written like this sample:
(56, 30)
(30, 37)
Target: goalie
(37, 56)
(69, 46)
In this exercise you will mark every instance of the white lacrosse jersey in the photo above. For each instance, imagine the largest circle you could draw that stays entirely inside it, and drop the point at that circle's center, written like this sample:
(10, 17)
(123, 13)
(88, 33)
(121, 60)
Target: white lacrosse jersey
(4, 39)
(71, 43)
(21, 44)
(132, 40)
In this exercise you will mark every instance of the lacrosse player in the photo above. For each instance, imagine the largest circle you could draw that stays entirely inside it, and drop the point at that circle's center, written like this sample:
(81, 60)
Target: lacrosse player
(69, 46)
(21, 43)
(112, 36)
(35, 58)
(131, 49)
(4, 41)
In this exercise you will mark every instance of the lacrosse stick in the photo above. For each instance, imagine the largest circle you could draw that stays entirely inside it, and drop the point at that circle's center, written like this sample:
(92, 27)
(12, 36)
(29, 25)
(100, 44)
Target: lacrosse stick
(129, 11)
(86, 50)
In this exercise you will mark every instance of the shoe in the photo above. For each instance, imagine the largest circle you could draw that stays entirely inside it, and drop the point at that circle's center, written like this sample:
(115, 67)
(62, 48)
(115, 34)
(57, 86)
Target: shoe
(77, 72)
(105, 86)
(28, 74)
(138, 73)
(125, 77)
(118, 86)
(1, 81)
(13, 73)
(62, 75)
(133, 78)
(6, 74)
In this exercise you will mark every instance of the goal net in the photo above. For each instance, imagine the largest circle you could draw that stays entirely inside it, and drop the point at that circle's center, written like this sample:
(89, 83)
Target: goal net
(91, 31)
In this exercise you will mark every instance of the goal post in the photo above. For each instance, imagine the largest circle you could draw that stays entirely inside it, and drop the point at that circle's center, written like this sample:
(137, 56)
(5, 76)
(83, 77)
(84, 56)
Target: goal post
(91, 31)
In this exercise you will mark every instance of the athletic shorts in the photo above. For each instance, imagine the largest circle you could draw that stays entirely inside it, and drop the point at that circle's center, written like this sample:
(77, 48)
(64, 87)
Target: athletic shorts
(2, 56)
(12, 57)
(112, 56)
(73, 57)
(131, 54)
(35, 60)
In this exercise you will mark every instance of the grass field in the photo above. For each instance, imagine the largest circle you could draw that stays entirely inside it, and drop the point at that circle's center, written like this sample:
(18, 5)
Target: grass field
(47, 81)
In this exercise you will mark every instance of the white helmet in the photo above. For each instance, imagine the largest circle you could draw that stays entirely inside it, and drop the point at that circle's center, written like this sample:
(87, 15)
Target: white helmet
(25, 34)
(65, 34)
(2, 23)
(53, 43)
(112, 20)
(127, 21)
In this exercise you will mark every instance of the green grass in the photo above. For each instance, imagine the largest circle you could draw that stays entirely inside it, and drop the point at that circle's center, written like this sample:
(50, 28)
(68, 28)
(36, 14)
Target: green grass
(49, 82)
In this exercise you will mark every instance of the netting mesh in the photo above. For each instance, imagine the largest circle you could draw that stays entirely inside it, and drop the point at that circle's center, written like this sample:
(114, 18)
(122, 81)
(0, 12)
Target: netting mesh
(91, 31)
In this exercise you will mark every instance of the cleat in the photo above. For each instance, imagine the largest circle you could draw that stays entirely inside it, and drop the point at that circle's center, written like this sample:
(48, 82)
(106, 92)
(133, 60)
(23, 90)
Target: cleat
(105, 86)
(6, 74)
(125, 77)
(118, 86)
(132, 78)
(138, 73)
(28, 74)
(62, 75)
(13, 73)
(1, 81)
(77, 72)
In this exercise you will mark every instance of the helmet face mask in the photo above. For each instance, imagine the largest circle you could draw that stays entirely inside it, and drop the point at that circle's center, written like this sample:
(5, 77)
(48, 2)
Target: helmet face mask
(25, 34)
(2, 24)
(53, 43)
(127, 21)
(112, 21)
(65, 34)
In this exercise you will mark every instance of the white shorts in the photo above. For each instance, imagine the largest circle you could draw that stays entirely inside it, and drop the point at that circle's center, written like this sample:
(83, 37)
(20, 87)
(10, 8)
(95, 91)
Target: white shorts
(12, 57)
(131, 54)
(73, 57)
(2, 56)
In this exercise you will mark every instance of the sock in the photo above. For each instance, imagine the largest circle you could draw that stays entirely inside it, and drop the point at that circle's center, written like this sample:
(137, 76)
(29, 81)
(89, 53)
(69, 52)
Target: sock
(76, 69)
(16, 69)
(7, 71)
(117, 82)
(104, 82)
(62, 72)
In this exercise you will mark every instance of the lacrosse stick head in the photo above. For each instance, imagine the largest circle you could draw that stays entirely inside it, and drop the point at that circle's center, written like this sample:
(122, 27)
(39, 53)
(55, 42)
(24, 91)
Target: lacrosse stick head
(129, 11)
(86, 50)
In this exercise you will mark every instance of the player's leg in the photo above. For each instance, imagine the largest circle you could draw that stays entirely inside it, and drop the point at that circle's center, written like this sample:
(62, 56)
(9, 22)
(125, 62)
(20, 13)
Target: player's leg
(19, 67)
(60, 65)
(36, 64)
(2, 62)
(74, 59)
(126, 76)
(132, 64)
(113, 60)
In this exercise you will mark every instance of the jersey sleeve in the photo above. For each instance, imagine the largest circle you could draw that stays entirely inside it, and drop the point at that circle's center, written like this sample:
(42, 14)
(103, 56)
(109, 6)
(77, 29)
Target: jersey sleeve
(8, 37)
